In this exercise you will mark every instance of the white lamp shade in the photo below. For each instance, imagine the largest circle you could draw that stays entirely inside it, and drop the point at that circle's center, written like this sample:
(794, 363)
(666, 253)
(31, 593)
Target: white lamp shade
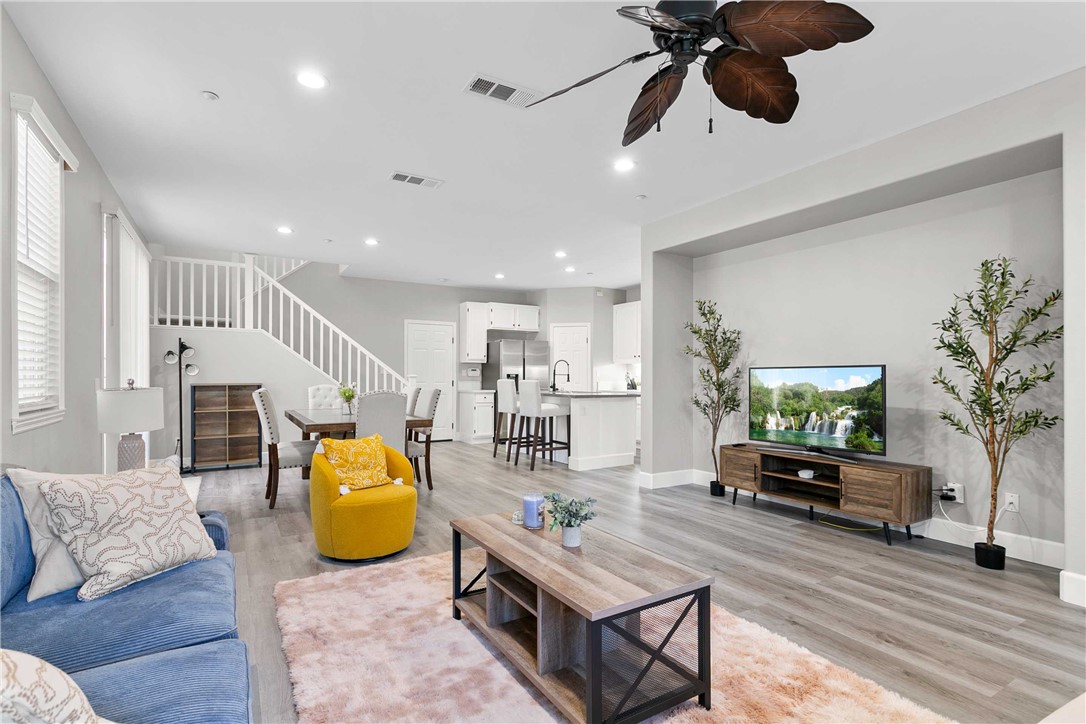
(130, 410)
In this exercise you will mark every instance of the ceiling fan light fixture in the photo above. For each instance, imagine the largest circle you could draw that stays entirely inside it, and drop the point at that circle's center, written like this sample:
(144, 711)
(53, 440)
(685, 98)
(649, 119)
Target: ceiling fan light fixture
(624, 165)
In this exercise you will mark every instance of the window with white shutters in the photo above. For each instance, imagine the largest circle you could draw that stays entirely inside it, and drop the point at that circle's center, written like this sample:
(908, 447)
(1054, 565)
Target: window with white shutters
(39, 276)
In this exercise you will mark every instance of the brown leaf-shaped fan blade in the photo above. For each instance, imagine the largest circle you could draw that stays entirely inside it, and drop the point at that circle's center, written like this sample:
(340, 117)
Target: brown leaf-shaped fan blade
(790, 27)
(656, 96)
(758, 84)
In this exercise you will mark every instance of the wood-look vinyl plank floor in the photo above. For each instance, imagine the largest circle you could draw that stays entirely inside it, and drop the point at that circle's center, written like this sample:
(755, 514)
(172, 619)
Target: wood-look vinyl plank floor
(917, 617)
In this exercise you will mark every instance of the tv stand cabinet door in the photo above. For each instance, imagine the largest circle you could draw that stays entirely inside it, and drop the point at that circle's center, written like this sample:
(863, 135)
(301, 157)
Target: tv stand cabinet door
(874, 493)
(741, 469)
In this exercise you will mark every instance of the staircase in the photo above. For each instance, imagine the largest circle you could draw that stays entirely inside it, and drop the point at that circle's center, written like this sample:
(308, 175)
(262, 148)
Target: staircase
(248, 295)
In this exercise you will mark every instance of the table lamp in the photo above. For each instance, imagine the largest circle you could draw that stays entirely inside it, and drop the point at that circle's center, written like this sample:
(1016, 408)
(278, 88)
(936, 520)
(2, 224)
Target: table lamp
(128, 409)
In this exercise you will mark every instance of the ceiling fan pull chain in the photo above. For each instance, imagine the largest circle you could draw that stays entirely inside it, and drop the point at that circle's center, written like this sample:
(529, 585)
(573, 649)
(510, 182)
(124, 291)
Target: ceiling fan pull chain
(710, 109)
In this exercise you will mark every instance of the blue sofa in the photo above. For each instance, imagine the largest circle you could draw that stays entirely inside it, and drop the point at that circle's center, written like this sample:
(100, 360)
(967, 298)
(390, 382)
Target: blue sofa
(164, 649)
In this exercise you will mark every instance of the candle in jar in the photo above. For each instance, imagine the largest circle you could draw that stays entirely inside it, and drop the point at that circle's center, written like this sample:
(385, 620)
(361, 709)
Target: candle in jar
(533, 510)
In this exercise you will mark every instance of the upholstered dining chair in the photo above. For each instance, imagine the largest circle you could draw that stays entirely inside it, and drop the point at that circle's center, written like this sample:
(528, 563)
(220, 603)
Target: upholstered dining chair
(413, 400)
(324, 397)
(382, 413)
(281, 455)
(418, 447)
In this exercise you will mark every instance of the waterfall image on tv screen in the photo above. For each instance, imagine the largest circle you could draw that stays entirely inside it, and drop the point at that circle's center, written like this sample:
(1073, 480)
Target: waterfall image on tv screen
(839, 408)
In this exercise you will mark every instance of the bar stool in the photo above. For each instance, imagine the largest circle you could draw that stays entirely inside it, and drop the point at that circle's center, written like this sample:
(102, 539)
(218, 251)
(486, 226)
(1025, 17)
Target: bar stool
(534, 411)
(507, 405)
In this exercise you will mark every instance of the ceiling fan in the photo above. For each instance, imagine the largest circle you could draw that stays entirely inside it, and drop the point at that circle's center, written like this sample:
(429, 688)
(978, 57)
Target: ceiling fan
(747, 71)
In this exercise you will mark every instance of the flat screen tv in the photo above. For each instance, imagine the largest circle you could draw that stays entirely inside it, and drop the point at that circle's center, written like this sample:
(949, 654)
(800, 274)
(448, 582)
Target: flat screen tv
(839, 408)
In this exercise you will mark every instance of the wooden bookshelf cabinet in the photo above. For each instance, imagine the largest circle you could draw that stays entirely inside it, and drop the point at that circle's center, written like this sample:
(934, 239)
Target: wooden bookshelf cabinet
(889, 492)
(225, 426)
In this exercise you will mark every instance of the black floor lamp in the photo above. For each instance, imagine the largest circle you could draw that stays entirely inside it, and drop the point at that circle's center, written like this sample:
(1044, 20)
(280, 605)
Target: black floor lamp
(172, 357)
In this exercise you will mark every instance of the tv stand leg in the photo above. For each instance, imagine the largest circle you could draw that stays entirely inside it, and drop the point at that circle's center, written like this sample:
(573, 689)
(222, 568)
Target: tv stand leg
(909, 531)
(886, 530)
(810, 514)
(735, 494)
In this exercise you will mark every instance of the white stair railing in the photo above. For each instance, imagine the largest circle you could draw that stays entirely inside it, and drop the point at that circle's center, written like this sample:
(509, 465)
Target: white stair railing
(302, 329)
(242, 295)
(196, 292)
(278, 267)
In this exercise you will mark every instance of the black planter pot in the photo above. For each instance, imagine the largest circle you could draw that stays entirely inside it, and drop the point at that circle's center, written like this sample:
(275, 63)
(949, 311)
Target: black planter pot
(990, 556)
(715, 488)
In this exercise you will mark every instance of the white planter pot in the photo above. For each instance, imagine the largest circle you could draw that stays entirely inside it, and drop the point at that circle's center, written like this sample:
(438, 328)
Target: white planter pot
(571, 537)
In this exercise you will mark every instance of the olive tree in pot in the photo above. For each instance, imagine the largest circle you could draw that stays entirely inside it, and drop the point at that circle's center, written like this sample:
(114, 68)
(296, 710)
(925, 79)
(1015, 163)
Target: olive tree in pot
(717, 395)
(983, 331)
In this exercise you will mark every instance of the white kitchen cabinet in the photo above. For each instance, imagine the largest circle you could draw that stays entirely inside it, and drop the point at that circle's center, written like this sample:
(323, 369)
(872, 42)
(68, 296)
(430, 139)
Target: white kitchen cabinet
(517, 317)
(474, 317)
(627, 333)
(502, 316)
(476, 424)
(526, 317)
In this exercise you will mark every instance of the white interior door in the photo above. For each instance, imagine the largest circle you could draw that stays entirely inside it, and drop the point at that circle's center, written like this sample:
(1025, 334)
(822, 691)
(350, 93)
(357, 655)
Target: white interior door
(431, 357)
(570, 342)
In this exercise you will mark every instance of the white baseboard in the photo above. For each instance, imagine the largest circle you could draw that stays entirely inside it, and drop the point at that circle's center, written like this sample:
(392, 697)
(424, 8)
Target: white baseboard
(1073, 588)
(672, 478)
(1020, 547)
(597, 462)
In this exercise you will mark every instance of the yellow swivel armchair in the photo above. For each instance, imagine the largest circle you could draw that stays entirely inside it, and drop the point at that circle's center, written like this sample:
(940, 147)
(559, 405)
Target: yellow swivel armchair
(368, 523)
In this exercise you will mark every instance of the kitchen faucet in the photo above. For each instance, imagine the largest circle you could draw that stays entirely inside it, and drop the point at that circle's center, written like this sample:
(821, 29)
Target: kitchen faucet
(554, 375)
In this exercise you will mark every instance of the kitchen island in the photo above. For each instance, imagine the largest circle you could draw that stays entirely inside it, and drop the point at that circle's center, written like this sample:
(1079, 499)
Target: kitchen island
(603, 427)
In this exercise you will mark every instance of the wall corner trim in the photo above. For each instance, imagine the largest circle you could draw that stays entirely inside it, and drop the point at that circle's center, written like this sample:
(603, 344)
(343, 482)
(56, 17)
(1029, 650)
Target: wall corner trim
(1073, 588)
(28, 105)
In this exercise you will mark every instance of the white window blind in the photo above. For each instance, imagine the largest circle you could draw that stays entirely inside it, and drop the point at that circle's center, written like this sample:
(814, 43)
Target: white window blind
(38, 200)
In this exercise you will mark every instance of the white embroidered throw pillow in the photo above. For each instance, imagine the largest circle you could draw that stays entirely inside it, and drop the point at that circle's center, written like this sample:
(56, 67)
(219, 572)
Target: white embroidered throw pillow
(36, 692)
(126, 527)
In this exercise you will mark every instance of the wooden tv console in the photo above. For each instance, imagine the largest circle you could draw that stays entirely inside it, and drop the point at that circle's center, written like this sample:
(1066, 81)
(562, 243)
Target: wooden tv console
(889, 492)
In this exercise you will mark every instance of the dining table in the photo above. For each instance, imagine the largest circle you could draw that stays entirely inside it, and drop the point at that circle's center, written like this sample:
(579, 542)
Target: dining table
(324, 421)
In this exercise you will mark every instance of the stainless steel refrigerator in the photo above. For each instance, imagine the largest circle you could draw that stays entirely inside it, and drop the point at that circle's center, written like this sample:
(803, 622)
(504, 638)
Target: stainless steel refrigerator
(517, 359)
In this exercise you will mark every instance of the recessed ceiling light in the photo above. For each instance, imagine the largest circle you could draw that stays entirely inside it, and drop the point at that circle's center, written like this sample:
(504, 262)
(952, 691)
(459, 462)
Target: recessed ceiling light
(641, 197)
(284, 230)
(560, 254)
(623, 165)
(371, 242)
(327, 241)
(499, 275)
(209, 95)
(570, 269)
(589, 273)
(312, 79)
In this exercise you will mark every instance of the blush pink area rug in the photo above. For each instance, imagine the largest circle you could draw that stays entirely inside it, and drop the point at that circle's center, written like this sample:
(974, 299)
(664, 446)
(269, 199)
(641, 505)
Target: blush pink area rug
(379, 644)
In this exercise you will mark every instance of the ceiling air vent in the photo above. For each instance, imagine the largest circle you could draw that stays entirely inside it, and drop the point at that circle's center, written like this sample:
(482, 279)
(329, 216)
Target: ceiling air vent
(498, 90)
(415, 180)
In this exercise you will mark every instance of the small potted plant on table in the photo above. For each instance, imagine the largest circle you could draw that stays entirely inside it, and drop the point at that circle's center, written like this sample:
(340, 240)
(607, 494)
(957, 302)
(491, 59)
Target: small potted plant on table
(997, 313)
(347, 393)
(569, 513)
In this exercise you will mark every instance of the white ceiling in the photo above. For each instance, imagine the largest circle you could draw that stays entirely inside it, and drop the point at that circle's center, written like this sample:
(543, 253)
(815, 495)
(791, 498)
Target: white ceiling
(520, 184)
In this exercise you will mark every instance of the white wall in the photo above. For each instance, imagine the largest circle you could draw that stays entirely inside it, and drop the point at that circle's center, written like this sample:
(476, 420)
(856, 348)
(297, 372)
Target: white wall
(72, 445)
(847, 187)
(225, 356)
(868, 291)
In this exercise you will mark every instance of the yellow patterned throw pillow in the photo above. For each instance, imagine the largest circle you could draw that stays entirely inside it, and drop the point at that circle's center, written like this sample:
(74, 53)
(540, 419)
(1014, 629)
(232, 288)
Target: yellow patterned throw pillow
(359, 463)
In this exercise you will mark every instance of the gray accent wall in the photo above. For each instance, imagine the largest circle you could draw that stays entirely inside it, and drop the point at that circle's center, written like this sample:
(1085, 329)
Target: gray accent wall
(373, 311)
(868, 292)
(73, 444)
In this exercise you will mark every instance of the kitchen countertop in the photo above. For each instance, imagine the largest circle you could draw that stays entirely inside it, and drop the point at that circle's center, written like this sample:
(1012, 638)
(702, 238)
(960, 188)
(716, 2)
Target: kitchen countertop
(602, 393)
(476, 392)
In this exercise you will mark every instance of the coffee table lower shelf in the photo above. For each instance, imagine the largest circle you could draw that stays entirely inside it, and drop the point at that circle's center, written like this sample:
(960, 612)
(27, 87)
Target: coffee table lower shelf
(517, 641)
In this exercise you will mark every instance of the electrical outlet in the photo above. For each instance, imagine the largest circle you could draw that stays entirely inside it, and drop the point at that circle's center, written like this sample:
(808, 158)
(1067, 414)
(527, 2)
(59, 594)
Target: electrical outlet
(1012, 502)
(958, 489)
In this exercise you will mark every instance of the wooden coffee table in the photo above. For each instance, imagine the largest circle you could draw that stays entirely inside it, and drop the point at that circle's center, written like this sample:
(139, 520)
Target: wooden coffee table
(608, 632)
